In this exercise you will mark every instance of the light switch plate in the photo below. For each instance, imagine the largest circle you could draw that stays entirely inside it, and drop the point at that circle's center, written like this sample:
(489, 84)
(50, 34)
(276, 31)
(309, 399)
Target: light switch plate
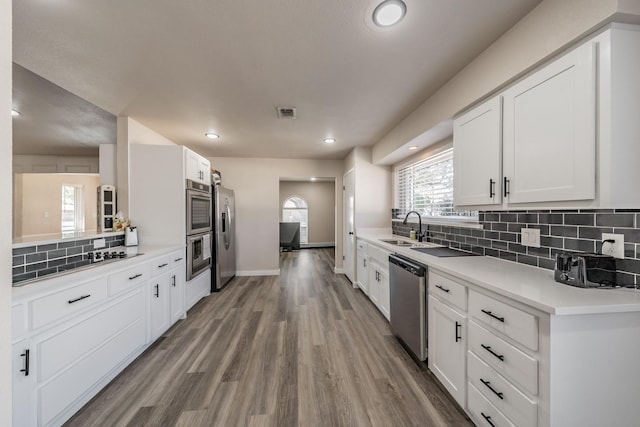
(530, 237)
(616, 249)
(99, 243)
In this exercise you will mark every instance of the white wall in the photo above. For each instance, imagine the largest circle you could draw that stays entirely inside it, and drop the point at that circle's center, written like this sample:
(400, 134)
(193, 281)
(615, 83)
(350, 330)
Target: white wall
(256, 183)
(543, 32)
(5, 211)
(321, 200)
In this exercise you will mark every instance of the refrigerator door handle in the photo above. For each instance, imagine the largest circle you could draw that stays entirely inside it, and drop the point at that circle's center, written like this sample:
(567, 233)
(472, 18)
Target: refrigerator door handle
(227, 240)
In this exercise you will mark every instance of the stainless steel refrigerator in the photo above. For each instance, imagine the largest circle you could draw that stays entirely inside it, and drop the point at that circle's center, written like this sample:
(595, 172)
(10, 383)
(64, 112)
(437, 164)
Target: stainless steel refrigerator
(224, 241)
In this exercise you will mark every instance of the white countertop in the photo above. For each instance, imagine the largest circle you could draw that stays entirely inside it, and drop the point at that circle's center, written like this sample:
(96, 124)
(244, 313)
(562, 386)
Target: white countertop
(74, 277)
(523, 283)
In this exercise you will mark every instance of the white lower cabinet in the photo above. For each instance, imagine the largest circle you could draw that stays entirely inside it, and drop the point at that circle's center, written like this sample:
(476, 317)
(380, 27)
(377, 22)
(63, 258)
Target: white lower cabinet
(197, 288)
(447, 347)
(159, 306)
(362, 266)
(378, 278)
(483, 412)
(23, 383)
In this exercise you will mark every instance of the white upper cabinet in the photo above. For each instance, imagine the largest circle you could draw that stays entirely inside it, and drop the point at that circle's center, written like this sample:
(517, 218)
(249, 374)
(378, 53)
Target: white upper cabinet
(549, 132)
(197, 168)
(477, 155)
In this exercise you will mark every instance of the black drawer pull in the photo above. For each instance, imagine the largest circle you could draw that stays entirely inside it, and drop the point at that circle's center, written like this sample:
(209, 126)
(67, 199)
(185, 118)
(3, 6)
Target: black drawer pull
(71, 301)
(443, 289)
(492, 193)
(26, 363)
(157, 294)
(488, 385)
(487, 418)
(163, 265)
(458, 328)
(488, 313)
(488, 348)
(135, 276)
(177, 259)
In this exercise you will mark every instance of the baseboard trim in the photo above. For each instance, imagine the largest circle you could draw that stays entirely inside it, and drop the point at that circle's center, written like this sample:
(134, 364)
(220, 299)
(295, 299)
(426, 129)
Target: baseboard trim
(258, 273)
(338, 270)
(318, 245)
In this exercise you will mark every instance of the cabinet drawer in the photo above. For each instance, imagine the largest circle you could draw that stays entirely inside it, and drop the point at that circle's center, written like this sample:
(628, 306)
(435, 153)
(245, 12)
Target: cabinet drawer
(448, 290)
(362, 247)
(501, 393)
(125, 279)
(177, 258)
(380, 255)
(503, 357)
(66, 347)
(56, 395)
(50, 308)
(514, 323)
(161, 265)
(487, 414)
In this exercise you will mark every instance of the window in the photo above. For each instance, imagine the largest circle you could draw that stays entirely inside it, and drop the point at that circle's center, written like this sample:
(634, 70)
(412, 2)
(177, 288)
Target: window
(295, 209)
(426, 186)
(72, 208)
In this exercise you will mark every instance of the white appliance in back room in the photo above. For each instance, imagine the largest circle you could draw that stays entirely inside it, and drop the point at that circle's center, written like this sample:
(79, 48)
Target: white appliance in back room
(223, 246)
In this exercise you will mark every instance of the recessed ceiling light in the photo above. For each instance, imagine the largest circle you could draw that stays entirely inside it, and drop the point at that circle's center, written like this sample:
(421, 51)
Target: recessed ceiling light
(329, 140)
(413, 147)
(389, 12)
(313, 178)
(15, 113)
(212, 135)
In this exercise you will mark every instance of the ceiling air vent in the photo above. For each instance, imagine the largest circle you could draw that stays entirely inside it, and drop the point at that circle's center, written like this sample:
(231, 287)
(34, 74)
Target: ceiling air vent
(286, 112)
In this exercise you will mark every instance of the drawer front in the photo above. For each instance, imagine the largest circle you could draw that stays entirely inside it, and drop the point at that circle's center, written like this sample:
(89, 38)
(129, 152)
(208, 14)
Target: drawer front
(380, 255)
(485, 413)
(448, 290)
(501, 393)
(161, 265)
(509, 361)
(514, 323)
(18, 322)
(56, 395)
(53, 307)
(66, 347)
(124, 280)
(362, 247)
(177, 258)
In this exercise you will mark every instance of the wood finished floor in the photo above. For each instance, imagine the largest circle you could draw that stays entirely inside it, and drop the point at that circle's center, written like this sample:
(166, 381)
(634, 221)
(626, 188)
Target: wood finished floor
(300, 349)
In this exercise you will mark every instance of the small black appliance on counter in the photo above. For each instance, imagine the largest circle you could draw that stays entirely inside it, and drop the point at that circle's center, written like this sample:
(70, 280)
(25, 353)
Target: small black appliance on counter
(585, 270)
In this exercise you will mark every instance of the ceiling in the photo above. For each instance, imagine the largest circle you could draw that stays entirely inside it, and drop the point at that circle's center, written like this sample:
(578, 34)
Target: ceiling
(186, 68)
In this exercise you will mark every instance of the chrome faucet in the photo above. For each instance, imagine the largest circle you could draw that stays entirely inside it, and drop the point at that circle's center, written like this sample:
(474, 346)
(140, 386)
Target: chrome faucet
(419, 223)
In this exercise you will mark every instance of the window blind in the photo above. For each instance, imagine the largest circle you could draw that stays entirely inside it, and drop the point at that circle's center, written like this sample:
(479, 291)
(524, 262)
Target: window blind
(426, 186)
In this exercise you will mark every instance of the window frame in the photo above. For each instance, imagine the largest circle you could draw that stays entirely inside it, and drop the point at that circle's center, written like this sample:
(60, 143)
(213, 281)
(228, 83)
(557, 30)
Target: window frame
(305, 208)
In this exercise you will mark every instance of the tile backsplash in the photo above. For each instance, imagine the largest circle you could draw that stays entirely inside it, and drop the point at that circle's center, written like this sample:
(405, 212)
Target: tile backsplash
(566, 230)
(30, 262)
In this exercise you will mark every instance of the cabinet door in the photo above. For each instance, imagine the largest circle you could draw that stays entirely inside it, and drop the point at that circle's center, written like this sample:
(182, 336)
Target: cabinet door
(197, 168)
(374, 283)
(477, 155)
(447, 348)
(22, 384)
(159, 307)
(362, 273)
(176, 295)
(384, 301)
(549, 132)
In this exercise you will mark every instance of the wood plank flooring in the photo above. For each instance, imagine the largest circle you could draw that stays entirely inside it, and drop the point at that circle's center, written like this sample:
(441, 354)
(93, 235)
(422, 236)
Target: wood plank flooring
(300, 349)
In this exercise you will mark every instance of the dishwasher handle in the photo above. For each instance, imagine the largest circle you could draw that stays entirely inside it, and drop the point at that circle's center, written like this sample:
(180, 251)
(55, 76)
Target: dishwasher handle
(408, 265)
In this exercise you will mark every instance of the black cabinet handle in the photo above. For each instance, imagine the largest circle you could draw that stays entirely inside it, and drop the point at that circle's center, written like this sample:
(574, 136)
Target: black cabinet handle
(442, 289)
(488, 385)
(364, 263)
(157, 294)
(26, 363)
(487, 418)
(490, 314)
(488, 348)
(177, 259)
(135, 276)
(492, 192)
(458, 328)
(163, 265)
(506, 187)
(173, 283)
(71, 301)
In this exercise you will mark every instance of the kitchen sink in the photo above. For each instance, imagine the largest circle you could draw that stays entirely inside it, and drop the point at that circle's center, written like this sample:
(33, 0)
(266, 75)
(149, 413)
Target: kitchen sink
(397, 242)
(409, 244)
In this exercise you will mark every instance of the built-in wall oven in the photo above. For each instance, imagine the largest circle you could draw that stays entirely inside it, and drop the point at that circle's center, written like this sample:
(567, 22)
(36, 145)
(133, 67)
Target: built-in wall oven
(198, 208)
(198, 254)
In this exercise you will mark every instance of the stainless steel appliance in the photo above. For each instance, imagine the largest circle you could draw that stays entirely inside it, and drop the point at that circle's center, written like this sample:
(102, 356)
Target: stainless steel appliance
(408, 304)
(223, 245)
(198, 254)
(585, 270)
(198, 207)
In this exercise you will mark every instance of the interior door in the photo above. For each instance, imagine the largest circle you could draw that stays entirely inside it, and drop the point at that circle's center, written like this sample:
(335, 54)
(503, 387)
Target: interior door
(349, 228)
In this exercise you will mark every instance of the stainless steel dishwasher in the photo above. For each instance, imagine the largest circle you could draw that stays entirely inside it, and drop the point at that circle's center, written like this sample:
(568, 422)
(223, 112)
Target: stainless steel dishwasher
(408, 304)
